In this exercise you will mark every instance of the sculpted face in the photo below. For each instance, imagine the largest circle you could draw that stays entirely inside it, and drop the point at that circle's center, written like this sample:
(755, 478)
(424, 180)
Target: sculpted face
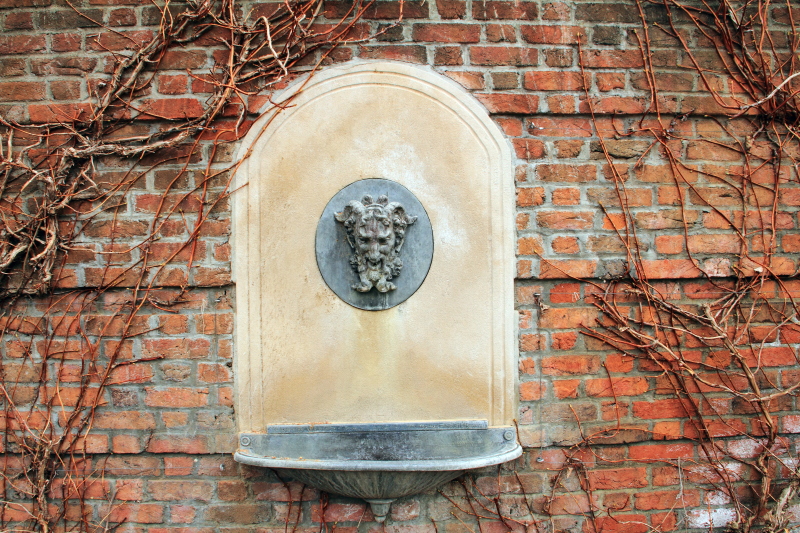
(375, 231)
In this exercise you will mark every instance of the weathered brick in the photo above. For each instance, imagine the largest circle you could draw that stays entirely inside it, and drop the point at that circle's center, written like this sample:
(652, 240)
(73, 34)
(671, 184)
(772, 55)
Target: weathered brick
(500, 9)
(176, 397)
(21, 44)
(567, 317)
(567, 173)
(549, 34)
(565, 365)
(170, 490)
(447, 33)
(19, 91)
(503, 56)
(627, 386)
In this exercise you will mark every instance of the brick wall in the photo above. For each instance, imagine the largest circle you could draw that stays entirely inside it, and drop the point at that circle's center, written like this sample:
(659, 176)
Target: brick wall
(557, 77)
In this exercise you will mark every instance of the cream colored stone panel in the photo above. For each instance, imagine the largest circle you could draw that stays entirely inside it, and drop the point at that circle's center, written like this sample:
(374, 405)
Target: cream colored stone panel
(447, 353)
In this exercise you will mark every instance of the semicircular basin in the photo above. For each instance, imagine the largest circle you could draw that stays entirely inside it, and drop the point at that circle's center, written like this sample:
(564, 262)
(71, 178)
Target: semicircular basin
(379, 462)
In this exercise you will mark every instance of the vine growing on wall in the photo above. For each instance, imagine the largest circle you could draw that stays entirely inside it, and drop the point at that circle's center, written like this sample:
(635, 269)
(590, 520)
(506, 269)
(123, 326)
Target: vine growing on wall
(716, 353)
(62, 353)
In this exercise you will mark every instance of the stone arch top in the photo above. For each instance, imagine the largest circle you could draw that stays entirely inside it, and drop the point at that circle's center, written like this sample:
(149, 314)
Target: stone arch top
(446, 353)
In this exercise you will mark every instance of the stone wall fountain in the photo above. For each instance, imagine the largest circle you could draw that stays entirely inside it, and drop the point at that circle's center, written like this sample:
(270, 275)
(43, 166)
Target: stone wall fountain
(374, 263)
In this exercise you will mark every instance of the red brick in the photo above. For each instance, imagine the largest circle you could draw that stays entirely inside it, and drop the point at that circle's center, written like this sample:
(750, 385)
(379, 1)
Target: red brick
(20, 20)
(469, 80)
(658, 174)
(17, 91)
(565, 293)
(711, 152)
(606, 12)
(619, 363)
(715, 244)
(131, 373)
(619, 523)
(126, 444)
(178, 466)
(618, 478)
(531, 196)
(213, 373)
(122, 17)
(451, 9)
(171, 109)
(567, 317)
(567, 173)
(527, 365)
(232, 490)
(509, 103)
(527, 294)
(511, 10)
(670, 269)
(183, 59)
(118, 41)
(212, 277)
(169, 490)
(21, 44)
(567, 220)
(529, 245)
(565, 245)
(409, 53)
(500, 33)
(648, 501)
(626, 59)
(531, 391)
(182, 514)
(176, 397)
(671, 408)
(564, 341)
(528, 148)
(558, 269)
(66, 113)
(177, 84)
(622, 105)
(661, 452)
(553, 34)
(608, 81)
(279, 492)
(503, 56)
(566, 388)
(769, 356)
(559, 127)
(446, 33)
(66, 42)
(341, 512)
(124, 420)
(561, 103)
(670, 244)
(176, 348)
(564, 365)
(143, 513)
(627, 386)
(178, 444)
(214, 324)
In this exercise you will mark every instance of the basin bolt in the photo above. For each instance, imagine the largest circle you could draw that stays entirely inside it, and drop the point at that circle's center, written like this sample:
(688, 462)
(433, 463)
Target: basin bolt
(245, 441)
(508, 434)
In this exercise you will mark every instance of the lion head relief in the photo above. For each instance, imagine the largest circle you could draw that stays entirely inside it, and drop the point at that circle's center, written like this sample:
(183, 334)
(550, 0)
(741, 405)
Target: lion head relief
(375, 232)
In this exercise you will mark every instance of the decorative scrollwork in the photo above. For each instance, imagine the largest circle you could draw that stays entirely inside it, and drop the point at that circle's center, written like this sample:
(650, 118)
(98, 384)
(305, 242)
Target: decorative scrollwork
(376, 232)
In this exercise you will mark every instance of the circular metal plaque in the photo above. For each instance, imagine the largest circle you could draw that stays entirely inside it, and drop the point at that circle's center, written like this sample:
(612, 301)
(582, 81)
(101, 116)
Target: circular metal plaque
(374, 244)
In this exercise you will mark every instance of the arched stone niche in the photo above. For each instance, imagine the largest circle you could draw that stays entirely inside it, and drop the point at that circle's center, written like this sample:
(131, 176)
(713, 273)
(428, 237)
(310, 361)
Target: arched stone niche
(447, 353)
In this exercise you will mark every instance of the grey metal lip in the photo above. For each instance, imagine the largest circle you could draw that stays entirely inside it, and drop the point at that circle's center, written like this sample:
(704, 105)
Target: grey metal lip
(387, 466)
(415, 446)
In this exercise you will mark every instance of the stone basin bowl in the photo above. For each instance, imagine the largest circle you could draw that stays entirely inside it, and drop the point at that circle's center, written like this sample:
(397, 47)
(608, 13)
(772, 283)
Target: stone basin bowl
(379, 462)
